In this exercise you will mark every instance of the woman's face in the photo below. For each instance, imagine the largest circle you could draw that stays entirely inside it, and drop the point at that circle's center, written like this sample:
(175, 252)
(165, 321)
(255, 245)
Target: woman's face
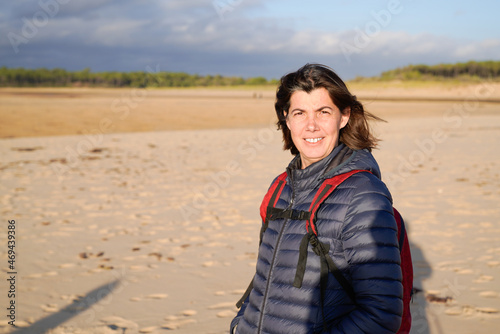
(314, 122)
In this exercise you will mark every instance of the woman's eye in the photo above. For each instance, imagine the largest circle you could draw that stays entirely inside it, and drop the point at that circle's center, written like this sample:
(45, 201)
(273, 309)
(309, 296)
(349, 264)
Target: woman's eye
(325, 113)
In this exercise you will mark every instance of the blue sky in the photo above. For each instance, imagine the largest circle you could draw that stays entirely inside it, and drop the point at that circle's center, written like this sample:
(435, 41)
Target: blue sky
(246, 37)
(458, 19)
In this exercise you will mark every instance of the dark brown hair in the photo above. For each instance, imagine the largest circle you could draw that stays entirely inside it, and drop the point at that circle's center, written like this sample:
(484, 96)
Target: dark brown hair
(356, 134)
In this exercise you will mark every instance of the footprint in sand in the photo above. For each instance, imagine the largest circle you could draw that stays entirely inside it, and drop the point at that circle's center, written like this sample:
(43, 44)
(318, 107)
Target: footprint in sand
(226, 314)
(489, 294)
(72, 297)
(464, 271)
(470, 310)
(454, 311)
(178, 321)
(149, 329)
(189, 313)
(37, 275)
(488, 310)
(118, 322)
(49, 308)
(177, 324)
(228, 309)
(209, 264)
(484, 279)
(221, 306)
(139, 268)
(157, 296)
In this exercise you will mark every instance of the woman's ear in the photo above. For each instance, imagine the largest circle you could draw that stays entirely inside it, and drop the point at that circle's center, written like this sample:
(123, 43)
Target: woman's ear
(344, 117)
(285, 113)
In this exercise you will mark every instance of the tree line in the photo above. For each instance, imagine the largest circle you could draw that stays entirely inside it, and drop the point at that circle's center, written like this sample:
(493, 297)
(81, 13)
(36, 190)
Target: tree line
(43, 77)
(57, 77)
(469, 70)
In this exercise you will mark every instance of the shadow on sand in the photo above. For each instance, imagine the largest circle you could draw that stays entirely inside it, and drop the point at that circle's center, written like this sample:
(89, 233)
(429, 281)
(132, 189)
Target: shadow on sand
(70, 311)
(422, 270)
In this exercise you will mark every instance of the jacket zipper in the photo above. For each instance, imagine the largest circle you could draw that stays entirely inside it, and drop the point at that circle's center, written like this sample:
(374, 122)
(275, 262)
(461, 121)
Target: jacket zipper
(278, 242)
(269, 276)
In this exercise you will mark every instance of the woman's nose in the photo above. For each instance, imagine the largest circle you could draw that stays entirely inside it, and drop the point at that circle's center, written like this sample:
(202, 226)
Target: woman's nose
(312, 122)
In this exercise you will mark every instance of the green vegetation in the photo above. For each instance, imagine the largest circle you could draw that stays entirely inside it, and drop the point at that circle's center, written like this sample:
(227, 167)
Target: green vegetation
(42, 77)
(469, 71)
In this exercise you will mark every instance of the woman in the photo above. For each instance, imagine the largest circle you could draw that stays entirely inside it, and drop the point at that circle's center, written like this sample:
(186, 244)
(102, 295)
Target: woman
(326, 128)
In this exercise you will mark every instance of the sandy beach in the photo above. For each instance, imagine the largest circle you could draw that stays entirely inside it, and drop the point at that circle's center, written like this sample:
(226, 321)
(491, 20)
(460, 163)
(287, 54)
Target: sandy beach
(136, 211)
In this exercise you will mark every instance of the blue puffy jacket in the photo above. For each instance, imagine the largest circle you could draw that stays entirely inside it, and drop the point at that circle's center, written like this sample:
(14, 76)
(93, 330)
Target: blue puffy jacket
(357, 222)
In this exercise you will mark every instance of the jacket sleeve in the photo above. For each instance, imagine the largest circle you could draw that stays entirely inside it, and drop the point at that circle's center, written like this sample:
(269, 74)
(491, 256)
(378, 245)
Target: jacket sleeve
(369, 238)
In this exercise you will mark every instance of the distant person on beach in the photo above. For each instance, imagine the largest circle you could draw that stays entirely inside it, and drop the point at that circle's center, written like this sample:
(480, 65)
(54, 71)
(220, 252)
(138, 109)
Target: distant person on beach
(326, 129)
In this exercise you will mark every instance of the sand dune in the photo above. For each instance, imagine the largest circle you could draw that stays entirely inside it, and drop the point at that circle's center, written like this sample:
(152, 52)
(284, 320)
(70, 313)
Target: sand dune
(153, 229)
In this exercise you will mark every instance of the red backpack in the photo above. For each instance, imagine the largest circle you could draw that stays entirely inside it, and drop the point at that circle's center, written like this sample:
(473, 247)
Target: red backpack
(268, 211)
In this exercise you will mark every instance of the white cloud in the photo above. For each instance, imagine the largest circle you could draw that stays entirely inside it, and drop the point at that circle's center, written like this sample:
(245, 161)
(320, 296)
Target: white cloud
(190, 36)
(479, 50)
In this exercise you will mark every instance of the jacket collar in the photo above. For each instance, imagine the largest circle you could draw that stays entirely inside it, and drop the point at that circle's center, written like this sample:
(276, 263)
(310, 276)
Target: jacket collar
(314, 174)
(341, 160)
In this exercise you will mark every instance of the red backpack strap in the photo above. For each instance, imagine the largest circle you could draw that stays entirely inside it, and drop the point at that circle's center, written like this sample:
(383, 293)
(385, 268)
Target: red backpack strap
(326, 188)
(272, 196)
(327, 264)
(407, 271)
